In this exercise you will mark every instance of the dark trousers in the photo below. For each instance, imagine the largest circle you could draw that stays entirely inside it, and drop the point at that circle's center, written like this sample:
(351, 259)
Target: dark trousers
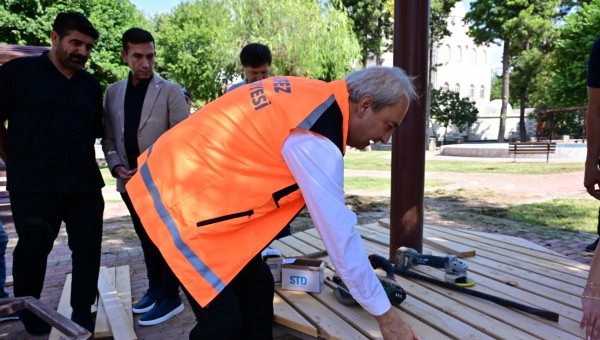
(160, 277)
(37, 218)
(243, 310)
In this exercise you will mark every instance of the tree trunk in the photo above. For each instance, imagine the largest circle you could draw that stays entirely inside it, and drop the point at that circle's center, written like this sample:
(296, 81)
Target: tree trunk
(505, 83)
(365, 59)
(522, 127)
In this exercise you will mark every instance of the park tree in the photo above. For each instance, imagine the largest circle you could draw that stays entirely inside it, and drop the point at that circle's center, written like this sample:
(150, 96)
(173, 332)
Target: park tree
(200, 41)
(373, 27)
(518, 24)
(26, 22)
(447, 108)
(560, 93)
(196, 47)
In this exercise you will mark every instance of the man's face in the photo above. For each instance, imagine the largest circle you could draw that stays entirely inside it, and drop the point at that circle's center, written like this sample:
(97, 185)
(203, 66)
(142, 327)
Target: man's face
(257, 73)
(366, 126)
(140, 58)
(73, 50)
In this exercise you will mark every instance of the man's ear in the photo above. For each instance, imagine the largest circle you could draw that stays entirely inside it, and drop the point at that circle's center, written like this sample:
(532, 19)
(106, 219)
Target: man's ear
(364, 104)
(124, 56)
(54, 37)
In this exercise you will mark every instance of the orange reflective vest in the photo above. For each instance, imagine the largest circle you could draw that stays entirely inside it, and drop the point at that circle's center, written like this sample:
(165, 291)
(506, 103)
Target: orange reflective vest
(214, 190)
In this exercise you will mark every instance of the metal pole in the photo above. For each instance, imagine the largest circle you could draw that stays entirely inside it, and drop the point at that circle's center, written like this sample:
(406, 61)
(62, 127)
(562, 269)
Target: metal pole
(411, 27)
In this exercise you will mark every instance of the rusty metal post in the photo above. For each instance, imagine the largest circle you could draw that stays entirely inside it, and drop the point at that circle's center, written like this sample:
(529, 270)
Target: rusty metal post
(411, 27)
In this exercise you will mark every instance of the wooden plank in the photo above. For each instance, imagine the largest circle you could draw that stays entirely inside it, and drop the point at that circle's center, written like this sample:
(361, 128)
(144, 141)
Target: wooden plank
(517, 241)
(102, 328)
(297, 244)
(501, 253)
(117, 317)
(64, 307)
(509, 264)
(578, 268)
(329, 325)
(287, 316)
(536, 327)
(123, 286)
(415, 311)
(366, 323)
(285, 250)
(448, 248)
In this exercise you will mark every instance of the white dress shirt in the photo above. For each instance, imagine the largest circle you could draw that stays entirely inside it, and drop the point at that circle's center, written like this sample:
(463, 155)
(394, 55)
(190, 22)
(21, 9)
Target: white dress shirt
(318, 167)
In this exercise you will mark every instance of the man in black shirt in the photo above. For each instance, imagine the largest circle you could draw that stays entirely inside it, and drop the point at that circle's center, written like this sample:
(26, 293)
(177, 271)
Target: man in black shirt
(54, 113)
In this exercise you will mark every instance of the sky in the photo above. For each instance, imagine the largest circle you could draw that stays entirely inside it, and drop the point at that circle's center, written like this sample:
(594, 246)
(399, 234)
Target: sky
(162, 6)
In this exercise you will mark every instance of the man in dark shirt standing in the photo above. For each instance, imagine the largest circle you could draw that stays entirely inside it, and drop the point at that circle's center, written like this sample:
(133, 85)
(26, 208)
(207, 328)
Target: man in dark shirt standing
(137, 111)
(54, 113)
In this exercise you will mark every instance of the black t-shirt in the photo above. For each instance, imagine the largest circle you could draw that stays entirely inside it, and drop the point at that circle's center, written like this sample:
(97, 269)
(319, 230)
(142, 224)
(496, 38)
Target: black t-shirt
(53, 123)
(593, 77)
(134, 102)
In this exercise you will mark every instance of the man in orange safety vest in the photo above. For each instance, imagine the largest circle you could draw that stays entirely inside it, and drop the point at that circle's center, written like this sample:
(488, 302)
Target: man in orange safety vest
(216, 189)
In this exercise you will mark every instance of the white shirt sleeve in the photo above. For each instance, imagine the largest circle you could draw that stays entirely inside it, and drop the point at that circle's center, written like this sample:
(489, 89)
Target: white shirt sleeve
(318, 167)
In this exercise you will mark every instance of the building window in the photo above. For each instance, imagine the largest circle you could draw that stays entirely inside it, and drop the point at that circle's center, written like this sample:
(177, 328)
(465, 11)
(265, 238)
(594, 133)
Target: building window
(482, 91)
(472, 92)
(484, 57)
(446, 87)
(473, 56)
(458, 55)
(457, 88)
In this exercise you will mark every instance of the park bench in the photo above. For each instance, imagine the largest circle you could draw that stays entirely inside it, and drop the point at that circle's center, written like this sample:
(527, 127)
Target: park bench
(523, 148)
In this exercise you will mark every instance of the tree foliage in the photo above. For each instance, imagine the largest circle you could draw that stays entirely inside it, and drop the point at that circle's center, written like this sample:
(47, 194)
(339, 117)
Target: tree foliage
(29, 22)
(561, 82)
(199, 42)
(448, 108)
(518, 24)
(373, 26)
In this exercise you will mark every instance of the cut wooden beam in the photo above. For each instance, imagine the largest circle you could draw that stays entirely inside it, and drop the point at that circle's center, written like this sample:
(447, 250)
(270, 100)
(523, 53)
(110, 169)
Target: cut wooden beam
(449, 248)
(123, 286)
(102, 329)
(121, 328)
(64, 307)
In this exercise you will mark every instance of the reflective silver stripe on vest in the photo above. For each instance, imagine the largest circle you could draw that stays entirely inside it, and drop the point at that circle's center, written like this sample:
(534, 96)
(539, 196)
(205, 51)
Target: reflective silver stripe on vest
(312, 118)
(167, 219)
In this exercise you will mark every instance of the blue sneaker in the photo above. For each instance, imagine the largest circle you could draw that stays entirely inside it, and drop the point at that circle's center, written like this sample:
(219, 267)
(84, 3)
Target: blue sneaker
(162, 311)
(147, 302)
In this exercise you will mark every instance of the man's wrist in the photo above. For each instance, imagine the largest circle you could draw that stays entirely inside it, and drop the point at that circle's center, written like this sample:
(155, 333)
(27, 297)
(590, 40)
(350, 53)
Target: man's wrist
(113, 171)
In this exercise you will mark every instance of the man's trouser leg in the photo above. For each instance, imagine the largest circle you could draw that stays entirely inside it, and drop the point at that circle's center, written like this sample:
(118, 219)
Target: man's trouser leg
(160, 276)
(243, 310)
(83, 220)
(37, 218)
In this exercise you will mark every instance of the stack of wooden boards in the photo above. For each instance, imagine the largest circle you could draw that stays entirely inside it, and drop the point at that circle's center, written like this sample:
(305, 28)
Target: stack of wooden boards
(113, 309)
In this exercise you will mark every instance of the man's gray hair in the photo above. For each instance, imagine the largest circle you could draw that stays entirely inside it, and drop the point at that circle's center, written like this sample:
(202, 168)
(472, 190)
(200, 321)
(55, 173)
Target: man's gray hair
(386, 84)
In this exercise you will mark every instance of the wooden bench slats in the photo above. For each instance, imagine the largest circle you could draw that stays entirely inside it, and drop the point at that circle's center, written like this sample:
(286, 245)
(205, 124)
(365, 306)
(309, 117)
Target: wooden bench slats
(521, 148)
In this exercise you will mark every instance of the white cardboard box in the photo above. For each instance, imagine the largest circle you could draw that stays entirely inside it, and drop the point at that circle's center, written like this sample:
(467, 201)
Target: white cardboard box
(306, 275)
(274, 260)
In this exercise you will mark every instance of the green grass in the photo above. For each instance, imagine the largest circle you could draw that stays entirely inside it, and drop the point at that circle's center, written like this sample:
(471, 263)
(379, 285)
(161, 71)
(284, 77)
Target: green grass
(109, 180)
(375, 183)
(382, 160)
(562, 214)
